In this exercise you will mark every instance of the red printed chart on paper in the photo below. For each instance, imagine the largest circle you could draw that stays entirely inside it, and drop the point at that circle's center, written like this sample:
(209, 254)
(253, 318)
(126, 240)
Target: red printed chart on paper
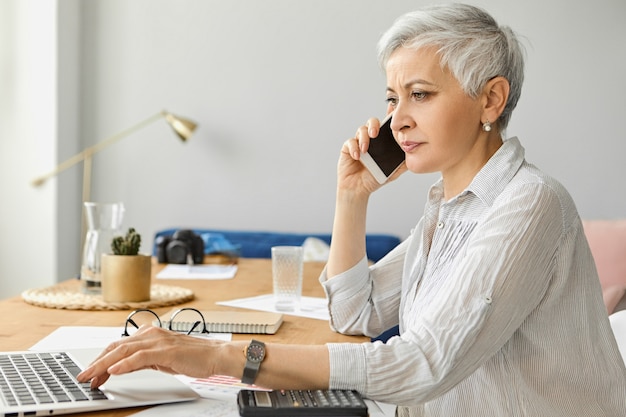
(220, 386)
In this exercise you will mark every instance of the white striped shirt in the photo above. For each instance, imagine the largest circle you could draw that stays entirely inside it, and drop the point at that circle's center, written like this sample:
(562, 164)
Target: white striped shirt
(499, 305)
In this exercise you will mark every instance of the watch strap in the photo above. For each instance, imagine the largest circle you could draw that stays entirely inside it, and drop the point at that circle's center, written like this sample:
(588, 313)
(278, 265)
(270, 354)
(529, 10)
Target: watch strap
(252, 366)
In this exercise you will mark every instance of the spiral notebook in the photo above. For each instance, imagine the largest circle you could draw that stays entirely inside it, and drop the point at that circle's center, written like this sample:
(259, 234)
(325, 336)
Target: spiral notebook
(260, 322)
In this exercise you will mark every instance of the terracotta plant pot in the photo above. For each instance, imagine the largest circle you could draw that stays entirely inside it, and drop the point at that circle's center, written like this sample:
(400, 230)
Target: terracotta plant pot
(125, 278)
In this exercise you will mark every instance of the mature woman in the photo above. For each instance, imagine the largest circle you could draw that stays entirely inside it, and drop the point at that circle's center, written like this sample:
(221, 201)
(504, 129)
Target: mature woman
(495, 291)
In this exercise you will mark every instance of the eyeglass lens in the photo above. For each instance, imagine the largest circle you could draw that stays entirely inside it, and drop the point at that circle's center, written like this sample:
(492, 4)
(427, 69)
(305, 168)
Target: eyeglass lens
(138, 318)
(188, 320)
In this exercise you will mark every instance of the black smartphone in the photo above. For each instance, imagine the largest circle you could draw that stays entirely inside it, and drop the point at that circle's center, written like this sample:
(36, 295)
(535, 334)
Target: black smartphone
(384, 156)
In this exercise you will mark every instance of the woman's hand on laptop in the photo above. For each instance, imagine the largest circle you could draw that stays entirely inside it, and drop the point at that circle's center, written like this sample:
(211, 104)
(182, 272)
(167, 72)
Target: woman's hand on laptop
(154, 348)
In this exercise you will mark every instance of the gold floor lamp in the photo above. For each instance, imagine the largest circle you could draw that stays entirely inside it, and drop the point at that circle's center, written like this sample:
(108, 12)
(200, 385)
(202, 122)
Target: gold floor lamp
(183, 127)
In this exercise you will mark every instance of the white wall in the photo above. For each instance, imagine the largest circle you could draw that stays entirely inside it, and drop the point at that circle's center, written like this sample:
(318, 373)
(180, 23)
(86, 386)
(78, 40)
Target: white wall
(28, 126)
(277, 86)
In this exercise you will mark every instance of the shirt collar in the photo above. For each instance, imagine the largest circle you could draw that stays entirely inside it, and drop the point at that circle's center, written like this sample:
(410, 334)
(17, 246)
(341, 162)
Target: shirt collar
(498, 171)
(493, 177)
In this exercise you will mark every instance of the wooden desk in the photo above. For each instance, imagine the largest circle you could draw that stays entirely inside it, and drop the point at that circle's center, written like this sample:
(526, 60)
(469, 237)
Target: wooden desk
(24, 324)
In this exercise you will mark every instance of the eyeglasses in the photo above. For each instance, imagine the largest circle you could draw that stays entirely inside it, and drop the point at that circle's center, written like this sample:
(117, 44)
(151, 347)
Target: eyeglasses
(187, 323)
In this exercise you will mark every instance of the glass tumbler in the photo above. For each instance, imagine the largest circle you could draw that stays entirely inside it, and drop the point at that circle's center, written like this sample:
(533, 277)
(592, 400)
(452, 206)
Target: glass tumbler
(287, 264)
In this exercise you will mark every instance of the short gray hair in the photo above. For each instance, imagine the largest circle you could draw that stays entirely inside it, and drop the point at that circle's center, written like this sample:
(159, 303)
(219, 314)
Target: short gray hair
(471, 45)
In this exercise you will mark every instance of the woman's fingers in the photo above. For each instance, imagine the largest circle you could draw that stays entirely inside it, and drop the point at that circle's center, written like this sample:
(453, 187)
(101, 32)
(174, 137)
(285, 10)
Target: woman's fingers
(361, 140)
(127, 355)
(373, 127)
(153, 348)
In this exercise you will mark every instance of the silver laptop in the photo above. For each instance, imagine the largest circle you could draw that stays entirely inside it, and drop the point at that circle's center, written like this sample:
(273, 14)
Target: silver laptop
(38, 383)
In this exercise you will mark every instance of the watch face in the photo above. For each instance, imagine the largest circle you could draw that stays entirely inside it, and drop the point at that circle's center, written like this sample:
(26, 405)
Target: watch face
(256, 352)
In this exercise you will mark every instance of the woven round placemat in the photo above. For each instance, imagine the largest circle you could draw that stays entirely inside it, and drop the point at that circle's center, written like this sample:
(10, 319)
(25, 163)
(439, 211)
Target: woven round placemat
(70, 297)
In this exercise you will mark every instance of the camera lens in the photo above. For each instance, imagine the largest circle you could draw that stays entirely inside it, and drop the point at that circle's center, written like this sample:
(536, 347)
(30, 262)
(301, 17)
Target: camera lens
(177, 252)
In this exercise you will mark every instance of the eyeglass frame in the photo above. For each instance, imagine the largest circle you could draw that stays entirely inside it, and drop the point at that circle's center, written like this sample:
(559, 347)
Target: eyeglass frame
(130, 320)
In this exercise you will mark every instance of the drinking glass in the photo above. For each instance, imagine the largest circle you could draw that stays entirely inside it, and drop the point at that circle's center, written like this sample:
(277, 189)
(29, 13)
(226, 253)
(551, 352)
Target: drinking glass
(287, 263)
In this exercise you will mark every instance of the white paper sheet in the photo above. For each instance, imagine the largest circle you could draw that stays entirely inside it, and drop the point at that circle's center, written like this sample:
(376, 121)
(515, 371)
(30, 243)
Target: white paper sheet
(202, 407)
(175, 271)
(310, 307)
(79, 337)
(218, 387)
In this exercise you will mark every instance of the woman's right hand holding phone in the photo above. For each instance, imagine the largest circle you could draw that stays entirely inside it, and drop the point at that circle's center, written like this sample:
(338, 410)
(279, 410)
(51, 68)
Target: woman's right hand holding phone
(351, 173)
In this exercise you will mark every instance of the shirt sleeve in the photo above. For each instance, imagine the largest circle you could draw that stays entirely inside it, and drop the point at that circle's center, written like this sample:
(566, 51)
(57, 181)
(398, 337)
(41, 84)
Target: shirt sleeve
(364, 300)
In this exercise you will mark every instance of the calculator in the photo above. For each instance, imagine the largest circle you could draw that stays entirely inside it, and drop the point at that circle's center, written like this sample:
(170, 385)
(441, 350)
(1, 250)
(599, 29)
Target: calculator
(295, 403)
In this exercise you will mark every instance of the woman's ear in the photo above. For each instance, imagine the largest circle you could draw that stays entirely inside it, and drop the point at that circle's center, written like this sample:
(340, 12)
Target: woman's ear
(495, 95)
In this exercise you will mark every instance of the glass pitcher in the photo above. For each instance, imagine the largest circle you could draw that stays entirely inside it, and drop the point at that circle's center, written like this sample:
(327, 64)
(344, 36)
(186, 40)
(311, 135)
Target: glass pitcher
(104, 222)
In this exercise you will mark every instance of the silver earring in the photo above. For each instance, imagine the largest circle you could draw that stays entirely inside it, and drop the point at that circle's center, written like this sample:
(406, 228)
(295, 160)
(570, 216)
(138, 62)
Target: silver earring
(487, 126)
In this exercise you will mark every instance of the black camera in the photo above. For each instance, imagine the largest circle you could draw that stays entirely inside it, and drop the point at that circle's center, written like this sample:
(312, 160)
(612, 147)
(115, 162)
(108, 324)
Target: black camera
(177, 248)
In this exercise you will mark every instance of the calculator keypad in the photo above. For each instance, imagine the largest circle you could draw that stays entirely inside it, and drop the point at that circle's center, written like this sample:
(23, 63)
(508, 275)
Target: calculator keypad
(301, 403)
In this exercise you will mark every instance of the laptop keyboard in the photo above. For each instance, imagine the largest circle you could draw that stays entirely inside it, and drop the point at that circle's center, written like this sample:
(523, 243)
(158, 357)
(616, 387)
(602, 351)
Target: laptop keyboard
(42, 378)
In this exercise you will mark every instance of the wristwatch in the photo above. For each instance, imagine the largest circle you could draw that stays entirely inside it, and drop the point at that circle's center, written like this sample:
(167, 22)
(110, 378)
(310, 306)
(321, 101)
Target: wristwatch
(254, 353)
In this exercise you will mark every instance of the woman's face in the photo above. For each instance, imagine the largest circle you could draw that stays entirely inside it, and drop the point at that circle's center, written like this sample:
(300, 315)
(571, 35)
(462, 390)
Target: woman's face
(435, 122)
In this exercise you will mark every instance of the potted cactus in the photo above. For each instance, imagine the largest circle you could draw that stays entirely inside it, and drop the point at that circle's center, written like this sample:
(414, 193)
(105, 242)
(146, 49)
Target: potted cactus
(127, 245)
(126, 274)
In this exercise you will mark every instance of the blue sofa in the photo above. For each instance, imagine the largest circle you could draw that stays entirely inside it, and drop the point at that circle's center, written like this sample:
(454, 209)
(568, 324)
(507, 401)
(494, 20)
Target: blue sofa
(253, 244)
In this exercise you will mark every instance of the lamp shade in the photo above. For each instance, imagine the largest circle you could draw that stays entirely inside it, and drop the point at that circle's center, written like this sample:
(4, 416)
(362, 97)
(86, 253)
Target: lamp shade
(184, 128)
